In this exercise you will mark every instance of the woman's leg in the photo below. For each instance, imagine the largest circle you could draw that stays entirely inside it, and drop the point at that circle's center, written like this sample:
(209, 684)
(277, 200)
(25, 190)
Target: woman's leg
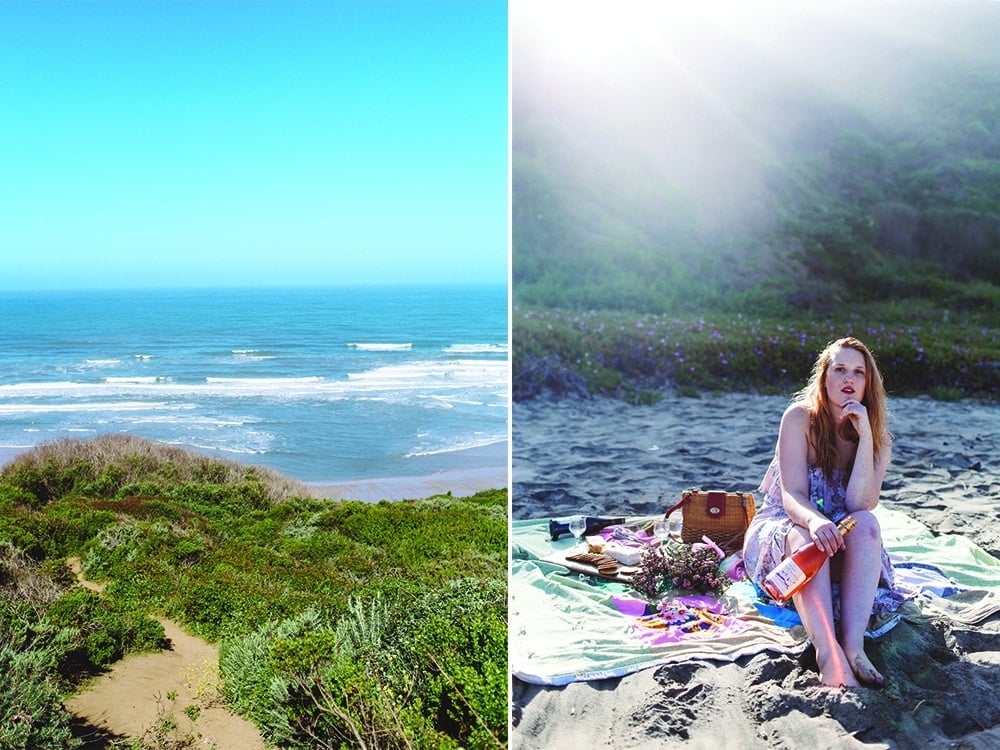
(858, 583)
(814, 603)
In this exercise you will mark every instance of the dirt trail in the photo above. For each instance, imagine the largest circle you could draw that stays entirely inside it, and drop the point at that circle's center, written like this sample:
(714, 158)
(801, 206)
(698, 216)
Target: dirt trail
(138, 693)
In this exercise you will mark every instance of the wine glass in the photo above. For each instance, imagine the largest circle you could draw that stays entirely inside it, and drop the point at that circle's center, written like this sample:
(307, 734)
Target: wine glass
(661, 530)
(674, 524)
(577, 525)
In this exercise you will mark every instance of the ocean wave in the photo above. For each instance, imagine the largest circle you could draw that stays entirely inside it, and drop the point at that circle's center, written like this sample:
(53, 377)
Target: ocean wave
(452, 401)
(92, 407)
(467, 379)
(428, 376)
(375, 347)
(187, 420)
(269, 382)
(476, 349)
(136, 380)
(253, 355)
(237, 450)
(465, 445)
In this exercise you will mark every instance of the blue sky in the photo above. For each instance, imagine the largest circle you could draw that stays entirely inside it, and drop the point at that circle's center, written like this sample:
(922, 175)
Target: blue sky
(252, 143)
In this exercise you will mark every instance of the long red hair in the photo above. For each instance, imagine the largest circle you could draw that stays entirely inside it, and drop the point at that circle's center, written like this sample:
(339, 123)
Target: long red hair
(823, 428)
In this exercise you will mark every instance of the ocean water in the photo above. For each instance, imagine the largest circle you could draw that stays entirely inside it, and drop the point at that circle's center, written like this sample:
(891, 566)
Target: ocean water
(323, 385)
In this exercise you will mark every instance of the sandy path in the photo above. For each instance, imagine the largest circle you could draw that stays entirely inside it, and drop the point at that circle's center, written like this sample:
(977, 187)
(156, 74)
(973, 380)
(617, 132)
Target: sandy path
(133, 697)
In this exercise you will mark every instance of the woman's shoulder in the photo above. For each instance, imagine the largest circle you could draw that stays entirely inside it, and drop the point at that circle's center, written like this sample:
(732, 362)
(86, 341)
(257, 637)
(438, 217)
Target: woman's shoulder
(797, 413)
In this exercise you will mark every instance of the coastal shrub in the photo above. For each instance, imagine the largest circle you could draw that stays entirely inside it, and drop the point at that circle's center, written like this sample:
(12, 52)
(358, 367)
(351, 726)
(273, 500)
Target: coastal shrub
(102, 466)
(107, 631)
(328, 699)
(221, 500)
(68, 524)
(13, 494)
(244, 663)
(32, 714)
(452, 644)
(329, 690)
(115, 549)
(31, 652)
(425, 671)
(31, 478)
(23, 583)
(310, 684)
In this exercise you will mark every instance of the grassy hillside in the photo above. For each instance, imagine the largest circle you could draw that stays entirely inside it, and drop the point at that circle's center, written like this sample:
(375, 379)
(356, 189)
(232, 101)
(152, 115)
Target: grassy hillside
(338, 622)
(802, 162)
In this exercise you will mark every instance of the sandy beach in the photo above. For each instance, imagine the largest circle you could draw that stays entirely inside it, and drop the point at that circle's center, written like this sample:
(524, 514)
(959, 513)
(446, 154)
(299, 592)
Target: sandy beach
(599, 456)
(461, 473)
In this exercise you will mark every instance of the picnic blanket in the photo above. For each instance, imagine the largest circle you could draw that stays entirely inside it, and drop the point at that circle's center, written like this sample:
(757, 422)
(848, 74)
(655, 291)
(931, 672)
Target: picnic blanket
(567, 626)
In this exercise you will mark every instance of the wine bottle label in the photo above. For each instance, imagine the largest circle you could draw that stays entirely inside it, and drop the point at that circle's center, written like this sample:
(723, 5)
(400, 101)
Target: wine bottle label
(785, 577)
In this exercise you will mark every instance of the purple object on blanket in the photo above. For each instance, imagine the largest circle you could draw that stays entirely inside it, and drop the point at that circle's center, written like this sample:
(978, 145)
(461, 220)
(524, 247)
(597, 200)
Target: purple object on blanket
(733, 567)
(629, 605)
(627, 537)
(677, 619)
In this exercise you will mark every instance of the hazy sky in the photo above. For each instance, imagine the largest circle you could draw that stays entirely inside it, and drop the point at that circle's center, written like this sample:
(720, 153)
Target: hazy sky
(246, 143)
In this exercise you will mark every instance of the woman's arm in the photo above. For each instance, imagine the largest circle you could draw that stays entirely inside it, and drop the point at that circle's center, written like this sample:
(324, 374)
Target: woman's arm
(865, 483)
(793, 463)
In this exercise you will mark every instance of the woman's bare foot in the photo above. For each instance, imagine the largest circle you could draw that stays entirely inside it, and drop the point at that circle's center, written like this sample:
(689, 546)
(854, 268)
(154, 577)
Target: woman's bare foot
(865, 671)
(836, 671)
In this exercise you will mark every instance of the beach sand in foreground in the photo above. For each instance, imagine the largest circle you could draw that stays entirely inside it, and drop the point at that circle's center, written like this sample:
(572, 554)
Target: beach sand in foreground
(605, 457)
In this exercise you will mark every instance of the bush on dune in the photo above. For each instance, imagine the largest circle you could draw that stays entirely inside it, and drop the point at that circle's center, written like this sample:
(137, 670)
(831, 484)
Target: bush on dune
(103, 466)
(430, 672)
(31, 709)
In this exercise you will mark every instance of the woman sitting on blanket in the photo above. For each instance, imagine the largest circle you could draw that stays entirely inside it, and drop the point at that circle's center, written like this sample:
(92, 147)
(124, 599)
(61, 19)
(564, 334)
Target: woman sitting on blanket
(832, 452)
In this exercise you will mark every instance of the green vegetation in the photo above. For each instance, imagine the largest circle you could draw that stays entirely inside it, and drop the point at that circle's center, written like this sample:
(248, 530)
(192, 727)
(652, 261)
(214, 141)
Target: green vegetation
(635, 356)
(51, 638)
(860, 193)
(340, 623)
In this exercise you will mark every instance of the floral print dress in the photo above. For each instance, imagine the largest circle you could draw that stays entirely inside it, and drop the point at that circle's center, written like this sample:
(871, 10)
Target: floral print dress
(764, 542)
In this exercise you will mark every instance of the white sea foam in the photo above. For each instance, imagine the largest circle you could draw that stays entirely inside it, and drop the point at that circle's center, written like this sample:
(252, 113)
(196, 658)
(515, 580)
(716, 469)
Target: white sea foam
(263, 382)
(239, 450)
(428, 375)
(469, 379)
(188, 420)
(253, 355)
(141, 380)
(90, 407)
(465, 445)
(374, 347)
(476, 349)
(97, 363)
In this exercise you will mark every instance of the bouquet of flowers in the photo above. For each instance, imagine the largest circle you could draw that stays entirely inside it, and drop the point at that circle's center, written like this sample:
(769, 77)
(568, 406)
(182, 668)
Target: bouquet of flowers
(694, 567)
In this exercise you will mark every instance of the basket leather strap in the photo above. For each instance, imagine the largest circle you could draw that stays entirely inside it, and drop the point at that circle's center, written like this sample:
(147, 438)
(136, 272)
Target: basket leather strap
(685, 496)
